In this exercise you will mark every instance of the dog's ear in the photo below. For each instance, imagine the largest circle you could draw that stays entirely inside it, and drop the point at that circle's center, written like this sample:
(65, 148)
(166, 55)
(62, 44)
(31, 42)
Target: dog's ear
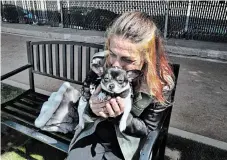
(132, 74)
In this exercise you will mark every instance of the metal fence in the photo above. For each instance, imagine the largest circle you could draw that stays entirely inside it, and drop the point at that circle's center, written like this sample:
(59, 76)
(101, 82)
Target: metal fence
(199, 20)
(99, 14)
(31, 12)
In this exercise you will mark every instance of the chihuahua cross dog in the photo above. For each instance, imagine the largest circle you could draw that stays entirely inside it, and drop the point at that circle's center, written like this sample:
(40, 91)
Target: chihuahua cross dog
(116, 82)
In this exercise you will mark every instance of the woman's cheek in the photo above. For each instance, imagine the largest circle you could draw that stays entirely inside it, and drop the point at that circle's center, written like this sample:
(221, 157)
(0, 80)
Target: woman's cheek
(131, 67)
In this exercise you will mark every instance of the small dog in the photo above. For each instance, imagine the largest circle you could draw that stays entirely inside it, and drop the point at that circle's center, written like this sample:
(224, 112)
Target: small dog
(116, 82)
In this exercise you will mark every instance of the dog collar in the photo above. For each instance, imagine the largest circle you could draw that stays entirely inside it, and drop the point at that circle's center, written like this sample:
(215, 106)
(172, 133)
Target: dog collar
(123, 94)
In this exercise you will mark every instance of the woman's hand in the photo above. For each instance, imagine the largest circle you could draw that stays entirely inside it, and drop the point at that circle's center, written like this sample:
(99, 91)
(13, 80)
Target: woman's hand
(115, 107)
(110, 108)
(98, 107)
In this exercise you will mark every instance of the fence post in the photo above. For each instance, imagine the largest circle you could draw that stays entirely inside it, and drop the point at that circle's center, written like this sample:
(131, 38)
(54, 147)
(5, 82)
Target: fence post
(166, 19)
(61, 12)
(188, 15)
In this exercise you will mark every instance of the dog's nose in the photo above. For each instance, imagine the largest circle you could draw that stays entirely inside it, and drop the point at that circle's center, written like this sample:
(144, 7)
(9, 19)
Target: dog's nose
(111, 86)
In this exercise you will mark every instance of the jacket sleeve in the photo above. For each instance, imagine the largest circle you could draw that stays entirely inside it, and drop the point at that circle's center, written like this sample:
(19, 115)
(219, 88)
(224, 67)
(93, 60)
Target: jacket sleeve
(147, 121)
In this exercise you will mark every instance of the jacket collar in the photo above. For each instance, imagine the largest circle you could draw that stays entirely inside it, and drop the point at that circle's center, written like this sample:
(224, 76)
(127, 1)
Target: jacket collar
(141, 93)
(140, 86)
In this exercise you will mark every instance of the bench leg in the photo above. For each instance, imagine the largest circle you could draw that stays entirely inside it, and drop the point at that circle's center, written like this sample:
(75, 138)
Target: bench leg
(161, 153)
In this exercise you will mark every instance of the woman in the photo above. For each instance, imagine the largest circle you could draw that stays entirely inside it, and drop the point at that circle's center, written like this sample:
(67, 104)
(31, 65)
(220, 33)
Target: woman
(133, 42)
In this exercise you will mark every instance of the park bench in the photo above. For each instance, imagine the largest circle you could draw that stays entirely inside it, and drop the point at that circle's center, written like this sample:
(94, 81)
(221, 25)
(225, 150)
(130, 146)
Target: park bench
(67, 61)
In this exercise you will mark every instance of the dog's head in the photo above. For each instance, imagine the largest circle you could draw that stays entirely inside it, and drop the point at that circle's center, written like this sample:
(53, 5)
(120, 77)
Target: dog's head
(97, 65)
(116, 80)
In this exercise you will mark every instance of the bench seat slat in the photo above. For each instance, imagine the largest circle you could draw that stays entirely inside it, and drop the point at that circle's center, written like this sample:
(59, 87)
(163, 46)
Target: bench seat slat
(31, 106)
(44, 97)
(25, 108)
(17, 116)
(35, 103)
(35, 98)
(16, 110)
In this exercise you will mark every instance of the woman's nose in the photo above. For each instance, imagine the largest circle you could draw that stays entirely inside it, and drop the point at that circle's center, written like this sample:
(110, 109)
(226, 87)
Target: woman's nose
(116, 63)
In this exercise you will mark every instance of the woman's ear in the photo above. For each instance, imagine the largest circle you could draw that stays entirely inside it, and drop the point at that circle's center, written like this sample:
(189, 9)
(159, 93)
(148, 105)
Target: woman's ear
(132, 74)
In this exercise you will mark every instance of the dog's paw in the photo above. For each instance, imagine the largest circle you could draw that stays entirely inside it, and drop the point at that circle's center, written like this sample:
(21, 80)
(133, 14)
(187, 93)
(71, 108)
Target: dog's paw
(122, 126)
(81, 121)
(101, 96)
(81, 124)
(87, 118)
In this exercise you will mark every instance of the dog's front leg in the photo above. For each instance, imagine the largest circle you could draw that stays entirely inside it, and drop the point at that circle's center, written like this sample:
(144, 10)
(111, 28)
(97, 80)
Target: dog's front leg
(128, 106)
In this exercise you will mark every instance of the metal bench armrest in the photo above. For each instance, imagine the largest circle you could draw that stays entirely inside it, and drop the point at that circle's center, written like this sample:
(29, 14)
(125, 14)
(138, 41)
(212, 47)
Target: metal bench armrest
(7, 75)
(146, 151)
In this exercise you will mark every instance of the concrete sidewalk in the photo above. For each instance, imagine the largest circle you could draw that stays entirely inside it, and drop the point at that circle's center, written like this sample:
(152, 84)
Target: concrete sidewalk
(202, 49)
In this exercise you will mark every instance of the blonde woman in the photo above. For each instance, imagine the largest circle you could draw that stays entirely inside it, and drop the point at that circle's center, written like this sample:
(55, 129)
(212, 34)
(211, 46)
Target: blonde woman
(133, 42)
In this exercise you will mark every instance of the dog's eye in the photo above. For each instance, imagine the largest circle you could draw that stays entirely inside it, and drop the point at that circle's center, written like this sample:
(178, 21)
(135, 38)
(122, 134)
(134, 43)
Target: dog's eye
(106, 79)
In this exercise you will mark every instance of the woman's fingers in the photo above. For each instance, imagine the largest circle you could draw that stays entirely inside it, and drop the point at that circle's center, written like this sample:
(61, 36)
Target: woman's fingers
(115, 107)
(97, 110)
(96, 106)
(120, 102)
(110, 110)
(102, 114)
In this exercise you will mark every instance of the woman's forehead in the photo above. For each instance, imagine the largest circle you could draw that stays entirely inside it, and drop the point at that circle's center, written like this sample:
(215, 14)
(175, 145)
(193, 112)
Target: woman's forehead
(122, 46)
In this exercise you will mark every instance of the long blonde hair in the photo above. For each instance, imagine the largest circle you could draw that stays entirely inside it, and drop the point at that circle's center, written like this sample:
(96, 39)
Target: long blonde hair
(142, 31)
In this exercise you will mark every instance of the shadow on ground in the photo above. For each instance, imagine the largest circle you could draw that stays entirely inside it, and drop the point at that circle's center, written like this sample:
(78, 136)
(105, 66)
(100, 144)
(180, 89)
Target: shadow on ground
(16, 146)
(191, 150)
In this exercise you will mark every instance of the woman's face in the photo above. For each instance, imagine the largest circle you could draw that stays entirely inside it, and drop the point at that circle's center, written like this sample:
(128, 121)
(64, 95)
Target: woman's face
(123, 54)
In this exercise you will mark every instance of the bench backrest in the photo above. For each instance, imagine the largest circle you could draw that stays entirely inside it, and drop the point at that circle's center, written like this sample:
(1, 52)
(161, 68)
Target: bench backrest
(64, 60)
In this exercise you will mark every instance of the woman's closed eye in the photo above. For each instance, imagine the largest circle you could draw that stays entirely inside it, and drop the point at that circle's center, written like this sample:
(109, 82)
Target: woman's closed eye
(112, 54)
(127, 60)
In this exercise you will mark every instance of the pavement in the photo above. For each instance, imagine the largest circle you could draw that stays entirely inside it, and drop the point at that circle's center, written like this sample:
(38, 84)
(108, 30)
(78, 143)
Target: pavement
(200, 102)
